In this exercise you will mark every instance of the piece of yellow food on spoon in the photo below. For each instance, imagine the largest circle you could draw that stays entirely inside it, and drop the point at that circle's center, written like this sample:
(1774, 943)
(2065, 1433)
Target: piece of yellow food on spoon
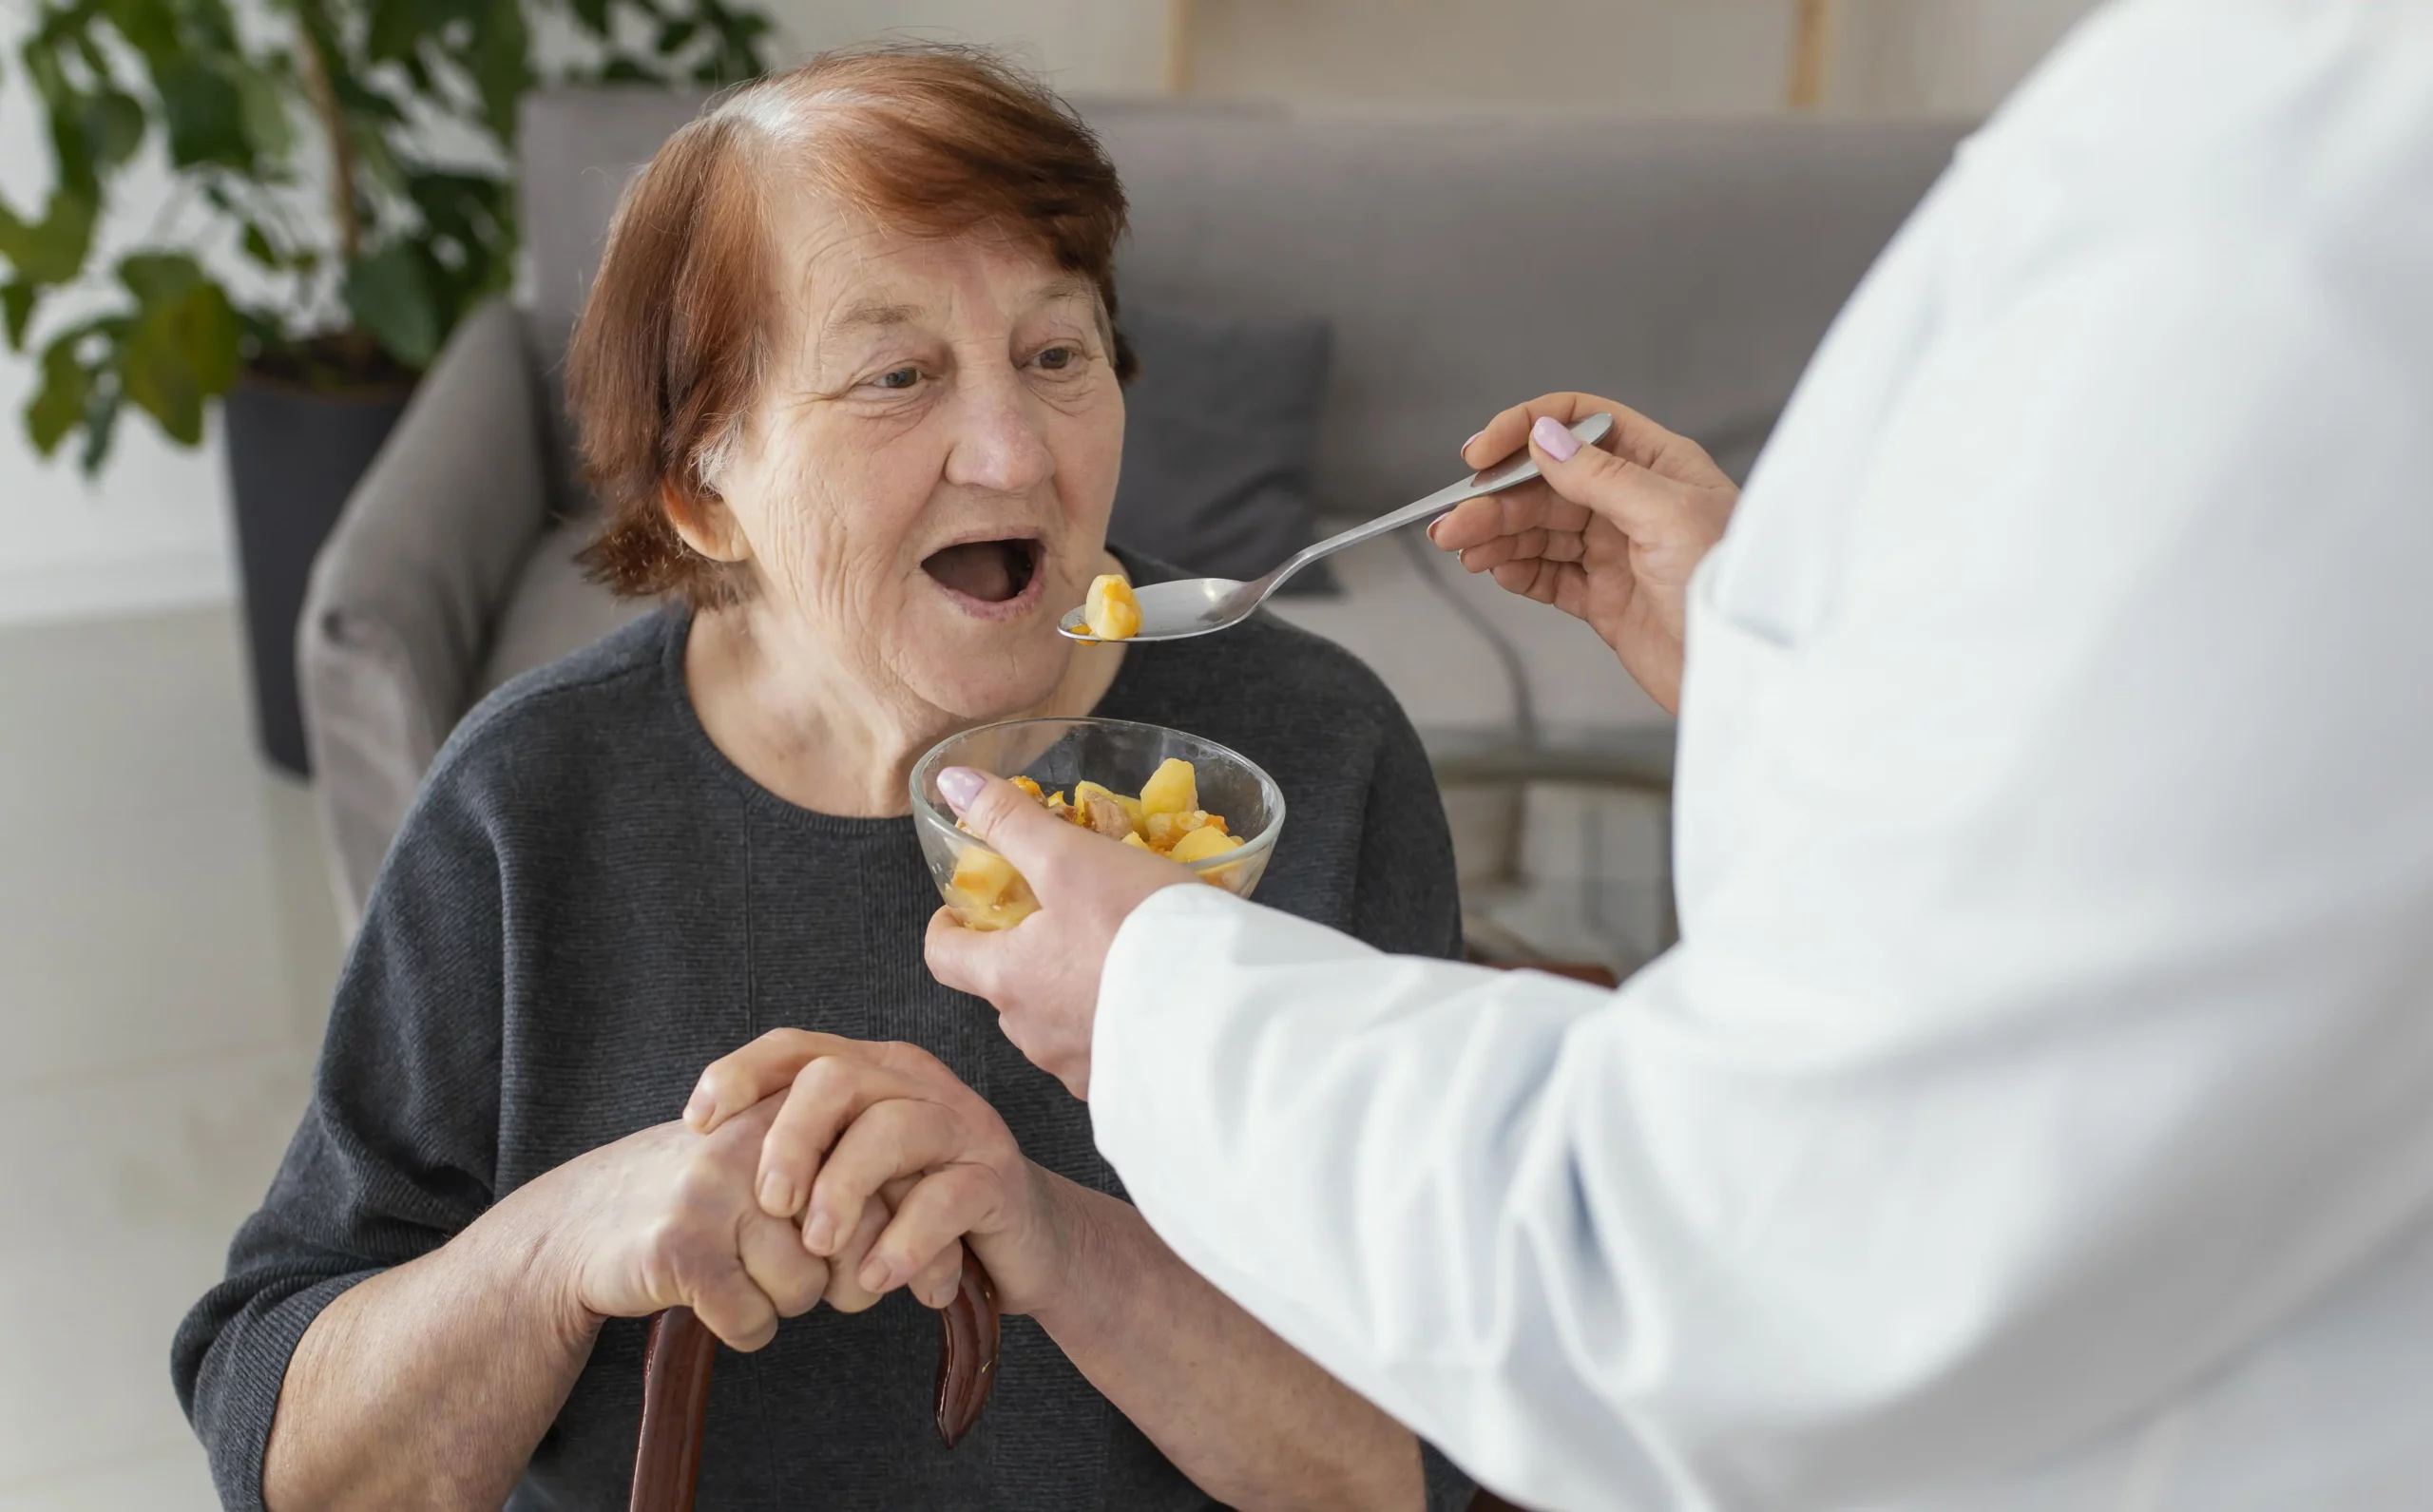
(1202, 843)
(1174, 788)
(1111, 612)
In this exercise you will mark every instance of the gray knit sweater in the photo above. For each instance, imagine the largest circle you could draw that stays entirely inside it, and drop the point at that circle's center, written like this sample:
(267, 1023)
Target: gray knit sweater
(589, 904)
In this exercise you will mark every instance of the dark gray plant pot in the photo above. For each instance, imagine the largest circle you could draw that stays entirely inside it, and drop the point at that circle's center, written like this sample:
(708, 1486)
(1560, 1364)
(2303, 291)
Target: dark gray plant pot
(294, 455)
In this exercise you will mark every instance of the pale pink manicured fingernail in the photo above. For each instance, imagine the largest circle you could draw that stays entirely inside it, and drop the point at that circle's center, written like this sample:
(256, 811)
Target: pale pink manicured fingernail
(959, 786)
(1471, 441)
(1552, 439)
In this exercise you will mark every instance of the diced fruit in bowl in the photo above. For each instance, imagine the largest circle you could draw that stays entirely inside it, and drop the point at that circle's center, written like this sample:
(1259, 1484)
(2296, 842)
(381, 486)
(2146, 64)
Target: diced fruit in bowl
(1202, 843)
(1174, 788)
(1064, 765)
(1110, 611)
(1149, 820)
(987, 892)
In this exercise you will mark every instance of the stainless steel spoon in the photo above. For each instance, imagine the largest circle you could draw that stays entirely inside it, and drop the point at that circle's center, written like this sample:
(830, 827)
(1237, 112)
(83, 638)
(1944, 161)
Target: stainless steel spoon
(1190, 606)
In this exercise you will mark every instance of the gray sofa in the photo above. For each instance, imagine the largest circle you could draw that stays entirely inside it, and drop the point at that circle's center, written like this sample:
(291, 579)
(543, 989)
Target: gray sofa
(1465, 260)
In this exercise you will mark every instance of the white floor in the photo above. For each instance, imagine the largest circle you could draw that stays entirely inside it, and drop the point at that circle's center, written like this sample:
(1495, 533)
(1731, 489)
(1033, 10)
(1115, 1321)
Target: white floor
(166, 951)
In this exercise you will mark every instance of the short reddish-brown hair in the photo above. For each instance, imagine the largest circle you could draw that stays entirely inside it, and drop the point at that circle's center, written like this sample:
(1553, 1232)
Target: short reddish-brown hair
(677, 331)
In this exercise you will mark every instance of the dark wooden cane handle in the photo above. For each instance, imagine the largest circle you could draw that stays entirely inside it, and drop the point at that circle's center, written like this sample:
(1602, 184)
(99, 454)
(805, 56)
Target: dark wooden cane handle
(676, 1396)
(676, 1387)
(967, 1351)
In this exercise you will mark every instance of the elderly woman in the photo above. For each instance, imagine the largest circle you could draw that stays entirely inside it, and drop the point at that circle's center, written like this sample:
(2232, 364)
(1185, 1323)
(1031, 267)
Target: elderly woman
(849, 384)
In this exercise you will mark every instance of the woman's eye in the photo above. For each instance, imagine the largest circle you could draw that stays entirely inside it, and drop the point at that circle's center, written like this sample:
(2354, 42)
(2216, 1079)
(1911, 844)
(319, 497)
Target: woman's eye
(1058, 359)
(899, 378)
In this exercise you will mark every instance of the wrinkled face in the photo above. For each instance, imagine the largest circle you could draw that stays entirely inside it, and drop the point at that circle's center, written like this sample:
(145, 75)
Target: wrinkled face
(924, 485)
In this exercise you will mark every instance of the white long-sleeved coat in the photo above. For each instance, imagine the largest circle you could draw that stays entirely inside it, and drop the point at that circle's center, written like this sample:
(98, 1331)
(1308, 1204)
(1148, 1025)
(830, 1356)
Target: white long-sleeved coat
(2038, 1111)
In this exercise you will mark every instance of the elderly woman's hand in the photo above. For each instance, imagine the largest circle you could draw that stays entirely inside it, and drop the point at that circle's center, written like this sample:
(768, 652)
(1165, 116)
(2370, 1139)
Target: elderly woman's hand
(666, 1217)
(1611, 535)
(890, 1164)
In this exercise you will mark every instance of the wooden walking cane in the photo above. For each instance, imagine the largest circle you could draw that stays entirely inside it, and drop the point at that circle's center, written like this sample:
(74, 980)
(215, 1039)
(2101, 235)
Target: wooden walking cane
(676, 1387)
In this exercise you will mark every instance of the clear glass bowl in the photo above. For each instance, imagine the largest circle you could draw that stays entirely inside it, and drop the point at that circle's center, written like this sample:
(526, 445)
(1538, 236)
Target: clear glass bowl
(1117, 754)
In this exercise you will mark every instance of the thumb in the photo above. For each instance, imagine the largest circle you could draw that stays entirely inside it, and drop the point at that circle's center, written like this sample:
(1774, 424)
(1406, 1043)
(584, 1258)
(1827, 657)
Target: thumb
(1621, 491)
(1004, 818)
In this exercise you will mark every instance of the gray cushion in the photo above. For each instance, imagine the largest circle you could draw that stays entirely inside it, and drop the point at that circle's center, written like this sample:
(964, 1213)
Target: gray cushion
(1220, 437)
(398, 618)
(553, 609)
(1469, 259)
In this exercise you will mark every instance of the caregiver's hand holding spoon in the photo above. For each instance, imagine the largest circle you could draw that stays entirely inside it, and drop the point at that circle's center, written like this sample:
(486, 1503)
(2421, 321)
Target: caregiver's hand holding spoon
(1609, 533)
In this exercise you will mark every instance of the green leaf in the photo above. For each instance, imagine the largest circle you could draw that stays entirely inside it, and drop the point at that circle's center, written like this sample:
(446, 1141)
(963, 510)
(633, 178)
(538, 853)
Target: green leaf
(258, 247)
(501, 65)
(59, 404)
(156, 278)
(101, 424)
(623, 70)
(391, 295)
(674, 35)
(181, 352)
(150, 26)
(398, 28)
(592, 15)
(262, 106)
(375, 159)
(53, 249)
(205, 115)
(17, 305)
(113, 129)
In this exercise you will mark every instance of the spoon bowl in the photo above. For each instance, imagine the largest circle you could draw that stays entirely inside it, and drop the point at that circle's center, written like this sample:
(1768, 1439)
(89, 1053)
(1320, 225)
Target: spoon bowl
(1190, 606)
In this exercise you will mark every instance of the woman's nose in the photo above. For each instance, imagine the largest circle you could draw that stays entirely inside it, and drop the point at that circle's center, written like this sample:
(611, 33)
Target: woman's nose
(998, 443)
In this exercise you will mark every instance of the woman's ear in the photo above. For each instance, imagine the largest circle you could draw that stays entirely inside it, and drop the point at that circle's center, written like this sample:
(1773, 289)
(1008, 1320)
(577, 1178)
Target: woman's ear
(704, 521)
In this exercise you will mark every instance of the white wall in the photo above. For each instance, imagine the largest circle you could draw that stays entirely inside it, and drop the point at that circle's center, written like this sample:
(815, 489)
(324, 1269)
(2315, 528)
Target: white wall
(153, 530)
(1890, 56)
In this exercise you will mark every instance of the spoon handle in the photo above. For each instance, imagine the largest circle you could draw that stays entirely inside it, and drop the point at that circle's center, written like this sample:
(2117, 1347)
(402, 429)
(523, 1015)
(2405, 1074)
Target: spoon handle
(1495, 480)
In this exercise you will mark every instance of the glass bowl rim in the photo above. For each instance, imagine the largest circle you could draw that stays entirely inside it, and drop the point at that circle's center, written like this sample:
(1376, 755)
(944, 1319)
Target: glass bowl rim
(933, 761)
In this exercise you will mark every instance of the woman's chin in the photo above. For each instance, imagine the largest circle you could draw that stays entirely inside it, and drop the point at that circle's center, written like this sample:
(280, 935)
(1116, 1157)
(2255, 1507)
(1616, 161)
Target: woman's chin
(980, 669)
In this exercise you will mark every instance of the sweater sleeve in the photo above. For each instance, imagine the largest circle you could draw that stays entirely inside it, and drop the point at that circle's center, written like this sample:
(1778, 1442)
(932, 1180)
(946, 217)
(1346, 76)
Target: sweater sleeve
(397, 1151)
(1406, 901)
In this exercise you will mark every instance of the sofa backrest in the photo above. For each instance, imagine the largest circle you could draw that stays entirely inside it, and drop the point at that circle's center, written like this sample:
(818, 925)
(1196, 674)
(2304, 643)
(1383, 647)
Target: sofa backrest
(1466, 259)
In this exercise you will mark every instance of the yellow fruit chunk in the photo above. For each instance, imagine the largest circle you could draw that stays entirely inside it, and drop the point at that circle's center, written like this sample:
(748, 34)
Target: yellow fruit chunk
(1111, 612)
(1202, 843)
(984, 875)
(1174, 788)
(1031, 787)
(1135, 841)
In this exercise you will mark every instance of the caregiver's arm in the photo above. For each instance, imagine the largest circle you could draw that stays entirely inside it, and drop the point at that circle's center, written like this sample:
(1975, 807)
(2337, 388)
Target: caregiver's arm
(2055, 848)
(884, 1143)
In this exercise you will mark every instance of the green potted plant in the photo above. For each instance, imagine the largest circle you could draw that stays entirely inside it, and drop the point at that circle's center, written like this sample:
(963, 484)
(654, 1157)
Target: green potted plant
(340, 202)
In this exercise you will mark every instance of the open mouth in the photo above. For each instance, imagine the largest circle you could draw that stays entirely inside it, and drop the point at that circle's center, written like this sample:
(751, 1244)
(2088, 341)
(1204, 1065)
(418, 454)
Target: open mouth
(990, 571)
